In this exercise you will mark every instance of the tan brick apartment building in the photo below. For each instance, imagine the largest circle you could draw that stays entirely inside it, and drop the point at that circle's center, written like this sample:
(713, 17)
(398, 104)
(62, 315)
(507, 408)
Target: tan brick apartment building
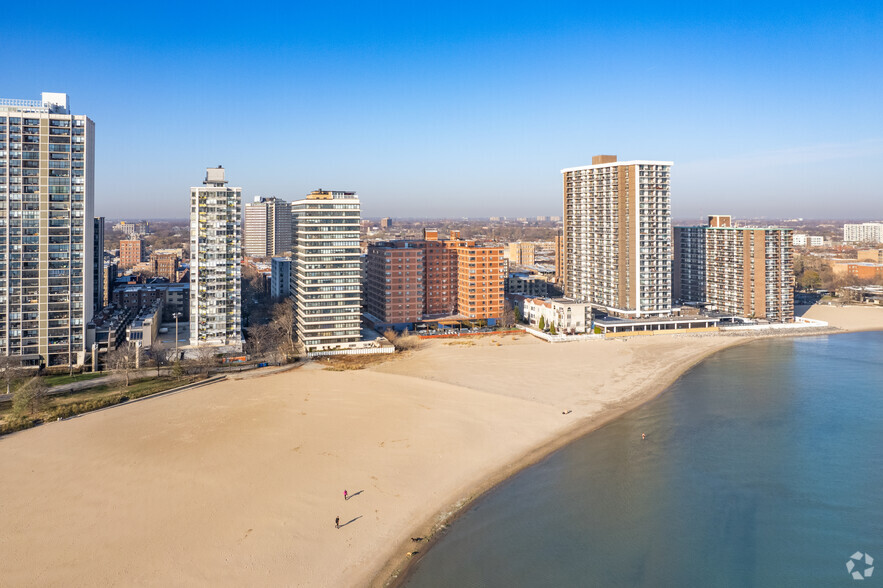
(617, 245)
(744, 271)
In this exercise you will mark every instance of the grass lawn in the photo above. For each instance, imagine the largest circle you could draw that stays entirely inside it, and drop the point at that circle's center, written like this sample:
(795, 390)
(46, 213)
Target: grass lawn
(74, 403)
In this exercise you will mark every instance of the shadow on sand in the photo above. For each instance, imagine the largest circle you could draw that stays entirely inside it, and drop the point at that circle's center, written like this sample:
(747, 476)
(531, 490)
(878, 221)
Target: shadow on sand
(351, 521)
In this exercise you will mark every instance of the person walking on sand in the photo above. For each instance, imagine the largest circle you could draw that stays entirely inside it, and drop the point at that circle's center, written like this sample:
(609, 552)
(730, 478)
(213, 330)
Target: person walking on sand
(336, 522)
(344, 495)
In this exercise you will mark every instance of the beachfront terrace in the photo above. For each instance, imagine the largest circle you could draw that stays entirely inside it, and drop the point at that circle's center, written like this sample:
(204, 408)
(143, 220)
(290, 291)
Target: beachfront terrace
(613, 326)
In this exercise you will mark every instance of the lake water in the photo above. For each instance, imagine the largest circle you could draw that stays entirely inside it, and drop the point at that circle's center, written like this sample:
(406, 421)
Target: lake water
(763, 466)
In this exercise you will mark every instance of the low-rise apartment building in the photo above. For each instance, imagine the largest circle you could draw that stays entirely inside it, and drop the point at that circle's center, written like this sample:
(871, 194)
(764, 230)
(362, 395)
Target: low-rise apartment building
(865, 271)
(526, 284)
(568, 316)
(165, 265)
(280, 277)
(870, 255)
(144, 327)
(804, 240)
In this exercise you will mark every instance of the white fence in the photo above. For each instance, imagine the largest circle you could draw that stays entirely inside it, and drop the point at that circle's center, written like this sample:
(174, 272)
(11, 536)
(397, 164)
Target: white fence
(360, 351)
(558, 338)
(799, 323)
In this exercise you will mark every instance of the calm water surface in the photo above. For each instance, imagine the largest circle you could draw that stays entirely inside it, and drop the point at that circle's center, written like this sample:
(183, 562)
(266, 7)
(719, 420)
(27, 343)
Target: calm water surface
(763, 466)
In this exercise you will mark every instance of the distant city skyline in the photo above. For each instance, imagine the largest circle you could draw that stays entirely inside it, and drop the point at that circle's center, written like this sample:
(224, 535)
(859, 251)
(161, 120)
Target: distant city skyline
(765, 110)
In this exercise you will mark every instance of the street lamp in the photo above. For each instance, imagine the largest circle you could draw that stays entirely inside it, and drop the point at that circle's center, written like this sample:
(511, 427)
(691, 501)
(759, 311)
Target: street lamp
(176, 315)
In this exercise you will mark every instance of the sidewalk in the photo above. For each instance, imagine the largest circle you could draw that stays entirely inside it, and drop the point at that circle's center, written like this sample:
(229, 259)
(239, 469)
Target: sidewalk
(134, 376)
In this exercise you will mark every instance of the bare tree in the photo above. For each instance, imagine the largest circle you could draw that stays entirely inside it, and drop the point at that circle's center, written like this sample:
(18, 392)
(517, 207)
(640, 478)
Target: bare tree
(260, 340)
(30, 398)
(507, 319)
(204, 359)
(12, 370)
(403, 341)
(121, 360)
(283, 321)
(160, 353)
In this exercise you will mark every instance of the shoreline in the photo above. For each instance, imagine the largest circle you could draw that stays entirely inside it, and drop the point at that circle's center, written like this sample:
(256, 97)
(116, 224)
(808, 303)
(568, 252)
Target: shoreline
(234, 483)
(397, 570)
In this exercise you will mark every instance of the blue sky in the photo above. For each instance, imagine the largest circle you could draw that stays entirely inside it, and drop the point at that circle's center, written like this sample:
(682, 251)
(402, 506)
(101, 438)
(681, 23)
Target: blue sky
(469, 109)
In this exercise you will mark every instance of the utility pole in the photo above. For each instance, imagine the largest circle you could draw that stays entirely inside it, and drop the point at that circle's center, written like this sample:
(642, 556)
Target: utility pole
(177, 314)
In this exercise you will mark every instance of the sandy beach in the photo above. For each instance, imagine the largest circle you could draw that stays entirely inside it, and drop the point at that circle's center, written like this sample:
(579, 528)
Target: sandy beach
(239, 482)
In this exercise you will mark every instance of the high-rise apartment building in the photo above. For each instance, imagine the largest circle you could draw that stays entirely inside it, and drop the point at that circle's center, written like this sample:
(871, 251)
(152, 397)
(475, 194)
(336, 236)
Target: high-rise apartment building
(744, 271)
(109, 278)
(46, 230)
(215, 256)
(480, 278)
(394, 281)
(688, 274)
(131, 252)
(617, 235)
(326, 275)
(410, 280)
(559, 259)
(267, 227)
(440, 276)
(522, 253)
(863, 233)
(97, 263)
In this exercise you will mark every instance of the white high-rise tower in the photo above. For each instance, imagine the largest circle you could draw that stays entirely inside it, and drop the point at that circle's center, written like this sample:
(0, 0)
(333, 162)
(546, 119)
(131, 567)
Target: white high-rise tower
(215, 255)
(47, 162)
(326, 282)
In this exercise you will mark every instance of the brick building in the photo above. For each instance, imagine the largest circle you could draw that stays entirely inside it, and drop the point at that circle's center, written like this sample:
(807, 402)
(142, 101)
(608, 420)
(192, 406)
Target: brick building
(744, 271)
(434, 277)
(864, 270)
(480, 273)
(440, 275)
(131, 252)
(164, 265)
(394, 285)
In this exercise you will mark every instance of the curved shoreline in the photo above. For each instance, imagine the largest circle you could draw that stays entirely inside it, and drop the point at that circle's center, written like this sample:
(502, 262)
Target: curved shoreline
(416, 440)
(398, 569)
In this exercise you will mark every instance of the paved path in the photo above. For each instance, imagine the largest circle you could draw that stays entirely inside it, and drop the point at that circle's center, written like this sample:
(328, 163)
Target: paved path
(146, 373)
(108, 379)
